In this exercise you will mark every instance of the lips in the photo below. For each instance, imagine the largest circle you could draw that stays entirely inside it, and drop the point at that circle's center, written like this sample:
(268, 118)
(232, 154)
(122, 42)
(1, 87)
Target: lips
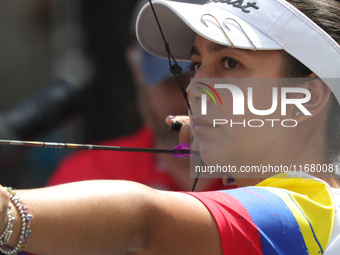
(201, 122)
(201, 125)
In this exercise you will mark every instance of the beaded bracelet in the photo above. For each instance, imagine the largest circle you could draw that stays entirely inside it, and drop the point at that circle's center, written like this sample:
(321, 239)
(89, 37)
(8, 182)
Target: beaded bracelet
(25, 224)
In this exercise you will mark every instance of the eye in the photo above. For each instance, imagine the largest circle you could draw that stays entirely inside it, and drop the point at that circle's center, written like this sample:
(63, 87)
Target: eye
(230, 63)
(194, 66)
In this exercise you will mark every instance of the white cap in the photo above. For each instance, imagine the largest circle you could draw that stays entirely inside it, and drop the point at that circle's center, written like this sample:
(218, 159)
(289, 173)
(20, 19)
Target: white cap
(267, 24)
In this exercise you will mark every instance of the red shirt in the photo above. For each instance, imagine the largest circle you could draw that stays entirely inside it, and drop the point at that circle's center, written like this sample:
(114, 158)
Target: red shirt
(138, 167)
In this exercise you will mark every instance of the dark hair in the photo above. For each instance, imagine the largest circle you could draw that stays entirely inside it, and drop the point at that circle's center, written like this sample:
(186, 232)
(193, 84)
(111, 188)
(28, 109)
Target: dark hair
(325, 13)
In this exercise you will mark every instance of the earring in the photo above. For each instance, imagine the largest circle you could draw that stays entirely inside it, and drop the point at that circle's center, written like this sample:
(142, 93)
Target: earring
(297, 113)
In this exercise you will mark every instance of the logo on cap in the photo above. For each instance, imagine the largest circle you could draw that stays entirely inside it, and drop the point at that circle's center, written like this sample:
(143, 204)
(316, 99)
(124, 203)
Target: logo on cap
(237, 4)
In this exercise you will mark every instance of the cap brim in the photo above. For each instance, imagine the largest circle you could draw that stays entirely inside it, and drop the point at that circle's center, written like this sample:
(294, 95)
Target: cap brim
(181, 22)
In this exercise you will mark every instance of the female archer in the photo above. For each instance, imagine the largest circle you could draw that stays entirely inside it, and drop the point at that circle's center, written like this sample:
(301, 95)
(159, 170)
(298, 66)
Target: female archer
(290, 213)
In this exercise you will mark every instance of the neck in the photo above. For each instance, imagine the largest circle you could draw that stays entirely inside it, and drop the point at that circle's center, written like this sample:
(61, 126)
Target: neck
(305, 156)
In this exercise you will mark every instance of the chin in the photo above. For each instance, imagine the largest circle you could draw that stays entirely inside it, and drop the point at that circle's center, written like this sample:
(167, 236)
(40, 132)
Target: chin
(212, 156)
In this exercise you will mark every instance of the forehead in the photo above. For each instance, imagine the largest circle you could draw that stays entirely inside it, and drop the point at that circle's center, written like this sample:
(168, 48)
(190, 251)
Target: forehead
(212, 47)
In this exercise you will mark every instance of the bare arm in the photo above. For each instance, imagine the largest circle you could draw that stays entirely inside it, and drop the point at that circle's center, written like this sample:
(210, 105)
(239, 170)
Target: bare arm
(116, 217)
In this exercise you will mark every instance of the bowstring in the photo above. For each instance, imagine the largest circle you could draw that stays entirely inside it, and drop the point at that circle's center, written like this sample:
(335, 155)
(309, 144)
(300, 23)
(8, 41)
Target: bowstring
(197, 176)
(176, 70)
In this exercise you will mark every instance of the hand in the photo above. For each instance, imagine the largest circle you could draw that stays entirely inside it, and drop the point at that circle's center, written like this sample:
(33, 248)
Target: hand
(184, 133)
(4, 200)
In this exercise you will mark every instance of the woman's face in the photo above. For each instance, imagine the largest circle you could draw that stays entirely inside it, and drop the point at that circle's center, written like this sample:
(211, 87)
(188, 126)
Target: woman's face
(236, 145)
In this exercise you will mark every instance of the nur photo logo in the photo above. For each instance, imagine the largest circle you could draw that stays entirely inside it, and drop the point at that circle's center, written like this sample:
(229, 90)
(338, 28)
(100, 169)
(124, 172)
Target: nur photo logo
(242, 96)
(204, 97)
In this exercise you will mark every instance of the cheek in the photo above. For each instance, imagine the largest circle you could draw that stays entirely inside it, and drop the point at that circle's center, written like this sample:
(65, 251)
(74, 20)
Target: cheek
(269, 64)
(263, 102)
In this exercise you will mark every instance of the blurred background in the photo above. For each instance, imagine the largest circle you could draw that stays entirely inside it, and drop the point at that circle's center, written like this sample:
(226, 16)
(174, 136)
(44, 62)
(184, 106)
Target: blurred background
(63, 78)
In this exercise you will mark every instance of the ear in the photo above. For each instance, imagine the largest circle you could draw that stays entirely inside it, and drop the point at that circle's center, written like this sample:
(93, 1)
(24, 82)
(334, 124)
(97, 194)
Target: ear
(320, 94)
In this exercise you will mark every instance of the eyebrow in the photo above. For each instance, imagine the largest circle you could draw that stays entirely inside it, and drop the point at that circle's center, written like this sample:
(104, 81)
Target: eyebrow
(194, 51)
(212, 47)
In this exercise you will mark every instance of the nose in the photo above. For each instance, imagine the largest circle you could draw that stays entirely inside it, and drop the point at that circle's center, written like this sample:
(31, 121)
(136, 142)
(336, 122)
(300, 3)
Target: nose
(204, 72)
(199, 94)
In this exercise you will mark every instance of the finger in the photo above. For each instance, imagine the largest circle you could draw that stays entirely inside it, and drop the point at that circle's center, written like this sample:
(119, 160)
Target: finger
(176, 126)
(170, 119)
(184, 133)
(183, 126)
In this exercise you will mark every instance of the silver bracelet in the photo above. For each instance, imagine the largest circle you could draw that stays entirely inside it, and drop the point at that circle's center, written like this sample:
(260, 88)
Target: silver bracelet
(25, 224)
(6, 235)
